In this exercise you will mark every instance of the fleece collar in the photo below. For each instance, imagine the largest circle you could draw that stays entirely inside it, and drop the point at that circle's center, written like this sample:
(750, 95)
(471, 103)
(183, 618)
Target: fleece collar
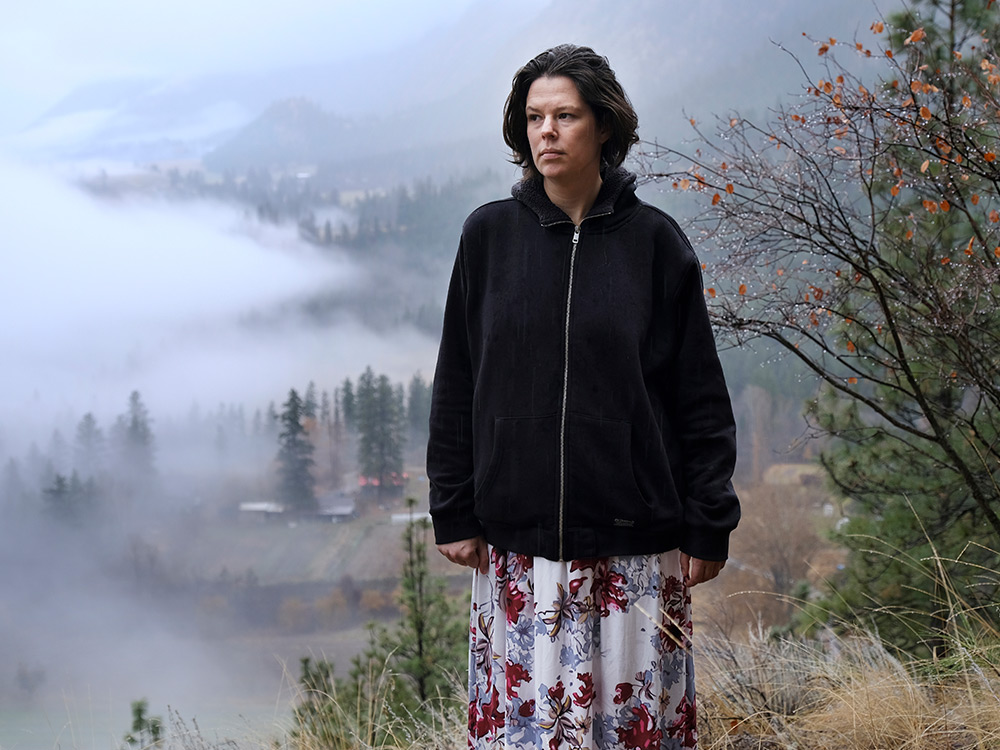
(531, 193)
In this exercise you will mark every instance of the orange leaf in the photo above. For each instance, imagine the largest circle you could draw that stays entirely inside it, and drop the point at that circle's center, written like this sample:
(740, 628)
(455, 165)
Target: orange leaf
(852, 381)
(915, 86)
(693, 123)
(925, 113)
(878, 27)
(945, 261)
(930, 206)
(923, 167)
(997, 252)
(685, 183)
(968, 249)
(730, 189)
(916, 36)
(990, 156)
(781, 272)
(711, 292)
(994, 216)
(945, 206)
(743, 288)
(966, 101)
(909, 234)
(894, 190)
(975, 199)
(716, 199)
(850, 347)
(888, 53)
(824, 49)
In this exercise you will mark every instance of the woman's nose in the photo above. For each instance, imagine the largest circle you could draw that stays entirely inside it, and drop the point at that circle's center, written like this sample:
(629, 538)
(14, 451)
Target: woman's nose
(548, 127)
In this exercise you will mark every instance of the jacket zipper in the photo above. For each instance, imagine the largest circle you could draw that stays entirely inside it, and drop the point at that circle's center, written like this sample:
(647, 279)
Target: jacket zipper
(565, 394)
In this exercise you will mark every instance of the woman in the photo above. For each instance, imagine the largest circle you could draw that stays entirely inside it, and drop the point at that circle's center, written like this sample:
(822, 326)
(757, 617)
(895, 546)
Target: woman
(582, 439)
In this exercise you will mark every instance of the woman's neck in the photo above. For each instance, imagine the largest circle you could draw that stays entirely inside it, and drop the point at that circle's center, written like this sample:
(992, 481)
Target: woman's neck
(575, 200)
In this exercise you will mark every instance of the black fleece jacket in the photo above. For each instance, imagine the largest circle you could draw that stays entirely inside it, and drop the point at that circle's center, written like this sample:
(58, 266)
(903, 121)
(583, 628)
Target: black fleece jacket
(579, 408)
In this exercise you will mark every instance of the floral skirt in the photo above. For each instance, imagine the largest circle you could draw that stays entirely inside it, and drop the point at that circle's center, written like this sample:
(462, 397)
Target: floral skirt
(583, 654)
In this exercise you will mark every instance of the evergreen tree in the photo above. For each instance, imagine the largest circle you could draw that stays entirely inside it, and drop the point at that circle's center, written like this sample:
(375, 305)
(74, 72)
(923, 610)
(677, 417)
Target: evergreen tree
(295, 461)
(418, 412)
(134, 437)
(429, 644)
(70, 500)
(380, 430)
(348, 407)
(324, 409)
(309, 405)
(406, 672)
(88, 448)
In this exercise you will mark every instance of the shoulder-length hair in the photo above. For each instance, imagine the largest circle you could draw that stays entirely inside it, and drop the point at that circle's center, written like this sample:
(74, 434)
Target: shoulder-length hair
(598, 87)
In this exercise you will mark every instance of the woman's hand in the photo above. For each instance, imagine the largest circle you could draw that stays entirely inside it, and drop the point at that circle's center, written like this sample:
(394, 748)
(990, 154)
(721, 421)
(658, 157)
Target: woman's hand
(698, 571)
(472, 552)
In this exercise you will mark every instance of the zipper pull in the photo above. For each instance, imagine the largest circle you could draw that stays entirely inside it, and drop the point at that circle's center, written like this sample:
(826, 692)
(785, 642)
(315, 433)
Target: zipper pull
(576, 234)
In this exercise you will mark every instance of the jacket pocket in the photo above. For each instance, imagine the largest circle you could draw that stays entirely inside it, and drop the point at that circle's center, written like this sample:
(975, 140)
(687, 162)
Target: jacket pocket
(601, 487)
(520, 483)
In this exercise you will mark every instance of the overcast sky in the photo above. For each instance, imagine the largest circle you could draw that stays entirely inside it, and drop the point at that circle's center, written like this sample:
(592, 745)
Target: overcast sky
(50, 47)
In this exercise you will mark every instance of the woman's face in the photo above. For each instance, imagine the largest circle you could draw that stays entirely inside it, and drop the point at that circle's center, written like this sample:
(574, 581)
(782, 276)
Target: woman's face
(563, 133)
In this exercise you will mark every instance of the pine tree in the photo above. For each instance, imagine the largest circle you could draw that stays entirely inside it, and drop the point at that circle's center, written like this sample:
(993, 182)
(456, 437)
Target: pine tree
(348, 405)
(406, 672)
(380, 422)
(88, 448)
(418, 412)
(309, 404)
(429, 645)
(133, 437)
(295, 461)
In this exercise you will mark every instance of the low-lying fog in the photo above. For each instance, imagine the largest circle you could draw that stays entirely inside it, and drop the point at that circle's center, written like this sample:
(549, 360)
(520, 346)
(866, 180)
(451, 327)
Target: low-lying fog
(193, 305)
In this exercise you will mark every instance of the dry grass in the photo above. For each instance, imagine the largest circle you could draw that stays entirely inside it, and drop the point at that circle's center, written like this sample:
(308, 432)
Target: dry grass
(853, 692)
(844, 694)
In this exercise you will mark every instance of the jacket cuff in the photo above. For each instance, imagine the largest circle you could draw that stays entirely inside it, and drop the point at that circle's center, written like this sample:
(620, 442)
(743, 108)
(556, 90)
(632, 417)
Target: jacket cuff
(448, 530)
(706, 545)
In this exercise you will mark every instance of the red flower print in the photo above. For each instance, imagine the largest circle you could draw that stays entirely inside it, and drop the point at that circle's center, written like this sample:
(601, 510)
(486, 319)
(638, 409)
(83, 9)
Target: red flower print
(685, 725)
(491, 718)
(527, 708)
(556, 691)
(585, 696)
(608, 591)
(623, 692)
(640, 733)
(516, 674)
(512, 601)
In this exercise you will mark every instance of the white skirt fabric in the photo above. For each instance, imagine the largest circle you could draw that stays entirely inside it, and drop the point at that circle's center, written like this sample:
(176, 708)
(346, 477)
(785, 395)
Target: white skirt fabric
(581, 654)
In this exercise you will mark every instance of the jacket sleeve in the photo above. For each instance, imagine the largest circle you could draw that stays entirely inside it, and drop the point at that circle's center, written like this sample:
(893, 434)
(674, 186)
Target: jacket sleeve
(449, 448)
(705, 426)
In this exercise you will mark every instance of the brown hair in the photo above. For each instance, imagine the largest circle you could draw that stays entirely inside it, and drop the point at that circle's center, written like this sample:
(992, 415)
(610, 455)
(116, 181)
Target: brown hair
(598, 87)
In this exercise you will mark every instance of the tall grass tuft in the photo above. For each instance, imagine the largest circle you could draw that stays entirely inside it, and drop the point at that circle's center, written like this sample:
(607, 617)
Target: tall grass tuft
(846, 689)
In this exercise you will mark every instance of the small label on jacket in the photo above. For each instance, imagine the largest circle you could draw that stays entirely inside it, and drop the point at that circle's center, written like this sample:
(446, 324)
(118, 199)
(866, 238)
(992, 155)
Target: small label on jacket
(626, 522)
